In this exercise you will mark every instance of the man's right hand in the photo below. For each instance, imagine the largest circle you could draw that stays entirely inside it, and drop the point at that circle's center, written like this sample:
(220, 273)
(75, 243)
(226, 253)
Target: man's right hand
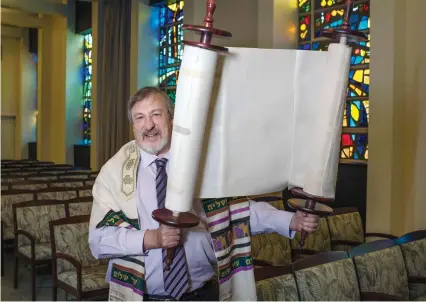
(163, 237)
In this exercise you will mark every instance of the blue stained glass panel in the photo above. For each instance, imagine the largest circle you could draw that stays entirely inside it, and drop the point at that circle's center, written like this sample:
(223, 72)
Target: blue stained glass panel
(171, 46)
(359, 83)
(356, 113)
(305, 46)
(87, 88)
(354, 146)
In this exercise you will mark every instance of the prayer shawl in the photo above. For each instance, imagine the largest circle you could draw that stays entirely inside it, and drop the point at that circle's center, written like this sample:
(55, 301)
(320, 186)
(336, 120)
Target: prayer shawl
(228, 221)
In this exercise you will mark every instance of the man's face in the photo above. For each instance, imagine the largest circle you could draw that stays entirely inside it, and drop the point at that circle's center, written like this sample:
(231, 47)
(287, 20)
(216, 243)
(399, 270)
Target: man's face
(152, 125)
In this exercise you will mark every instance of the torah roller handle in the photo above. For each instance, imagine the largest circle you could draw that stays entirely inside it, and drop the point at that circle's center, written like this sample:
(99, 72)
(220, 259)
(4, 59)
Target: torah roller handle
(308, 203)
(165, 216)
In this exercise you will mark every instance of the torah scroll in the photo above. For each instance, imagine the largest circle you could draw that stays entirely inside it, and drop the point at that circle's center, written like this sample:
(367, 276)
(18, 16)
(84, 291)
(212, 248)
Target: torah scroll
(274, 121)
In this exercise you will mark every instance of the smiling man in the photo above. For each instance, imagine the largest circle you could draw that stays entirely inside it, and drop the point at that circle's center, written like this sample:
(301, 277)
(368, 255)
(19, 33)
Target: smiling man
(130, 186)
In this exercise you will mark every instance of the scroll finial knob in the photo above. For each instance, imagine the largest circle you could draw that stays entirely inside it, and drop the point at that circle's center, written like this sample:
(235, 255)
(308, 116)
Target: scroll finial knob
(348, 9)
(211, 7)
(344, 32)
(207, 31)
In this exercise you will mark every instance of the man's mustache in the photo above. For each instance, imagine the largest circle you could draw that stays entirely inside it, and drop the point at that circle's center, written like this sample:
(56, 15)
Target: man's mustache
(150, 132)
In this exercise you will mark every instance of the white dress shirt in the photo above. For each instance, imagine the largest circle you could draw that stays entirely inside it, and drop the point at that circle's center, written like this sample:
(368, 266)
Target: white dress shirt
(116, 242)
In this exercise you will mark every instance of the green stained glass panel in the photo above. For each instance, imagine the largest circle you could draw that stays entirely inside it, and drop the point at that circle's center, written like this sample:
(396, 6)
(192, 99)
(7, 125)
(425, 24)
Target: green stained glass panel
(304, 6)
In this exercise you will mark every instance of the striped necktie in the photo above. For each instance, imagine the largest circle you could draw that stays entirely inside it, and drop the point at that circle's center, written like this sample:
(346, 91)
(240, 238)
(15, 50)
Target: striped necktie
(175, 279)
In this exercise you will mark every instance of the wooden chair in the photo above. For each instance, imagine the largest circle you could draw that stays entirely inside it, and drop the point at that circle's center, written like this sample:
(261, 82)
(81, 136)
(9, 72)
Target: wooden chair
(69, 175)
(413, 246)
(31, 224)
(11, 179)
(75, 270)
(79, 206)
(8, 199)
(347, 231)
(276, 283)
(57, 194)
(270, 249)
(328, 276)
(381, 269)
(89, 182)
(42, 177)
(29, 185)
(66, 183)
(85, 191)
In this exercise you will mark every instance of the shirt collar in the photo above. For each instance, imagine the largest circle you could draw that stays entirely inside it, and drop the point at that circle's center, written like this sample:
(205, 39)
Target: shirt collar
(147, 159)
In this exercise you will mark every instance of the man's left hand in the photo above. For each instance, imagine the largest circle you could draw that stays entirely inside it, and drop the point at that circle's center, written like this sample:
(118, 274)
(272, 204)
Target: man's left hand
(304, 222)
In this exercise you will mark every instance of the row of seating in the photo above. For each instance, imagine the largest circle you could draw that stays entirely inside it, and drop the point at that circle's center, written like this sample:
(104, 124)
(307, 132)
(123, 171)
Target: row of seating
(45, 217)
(29, 205)
(340, 231)
(390, 270)
(55, 182)
(55, 232)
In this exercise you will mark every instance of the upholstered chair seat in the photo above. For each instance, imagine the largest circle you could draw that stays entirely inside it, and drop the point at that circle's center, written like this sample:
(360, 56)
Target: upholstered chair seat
(93, 278)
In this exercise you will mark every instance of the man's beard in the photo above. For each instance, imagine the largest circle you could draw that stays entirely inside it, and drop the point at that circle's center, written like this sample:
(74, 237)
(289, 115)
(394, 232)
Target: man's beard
(154, 150)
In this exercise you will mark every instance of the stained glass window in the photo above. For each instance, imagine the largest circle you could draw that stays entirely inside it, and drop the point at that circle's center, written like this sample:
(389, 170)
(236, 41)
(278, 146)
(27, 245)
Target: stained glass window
(87, 88)
(315, 15)
(171, 45)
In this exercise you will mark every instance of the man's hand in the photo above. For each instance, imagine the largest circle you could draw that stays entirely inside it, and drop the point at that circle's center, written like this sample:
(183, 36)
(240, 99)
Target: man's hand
(304, 222)
(164, 237)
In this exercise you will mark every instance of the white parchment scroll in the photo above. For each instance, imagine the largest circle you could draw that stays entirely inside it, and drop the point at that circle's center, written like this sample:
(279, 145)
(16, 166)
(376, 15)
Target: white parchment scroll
(275, 121)
(193, 97)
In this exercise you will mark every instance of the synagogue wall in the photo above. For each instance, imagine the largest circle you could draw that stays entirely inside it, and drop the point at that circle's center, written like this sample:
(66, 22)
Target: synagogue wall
(19, 93)
(396, 166)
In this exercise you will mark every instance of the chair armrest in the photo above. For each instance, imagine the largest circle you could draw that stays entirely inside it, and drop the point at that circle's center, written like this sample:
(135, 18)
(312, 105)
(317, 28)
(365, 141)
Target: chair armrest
(262, 262)
(345, 242)
(71, 260)
(382, 235)
(30, 238)
(303, 252)
(419, 279)
(371, 296)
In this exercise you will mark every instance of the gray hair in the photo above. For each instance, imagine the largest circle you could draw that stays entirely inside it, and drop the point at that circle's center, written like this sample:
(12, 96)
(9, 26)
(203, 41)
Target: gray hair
(144, 93)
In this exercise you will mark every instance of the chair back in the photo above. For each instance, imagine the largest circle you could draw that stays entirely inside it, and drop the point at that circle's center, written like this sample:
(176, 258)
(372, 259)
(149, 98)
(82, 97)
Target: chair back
(413, 247)
(42, 177)
(68, 175)
(66, 183)
(271, 247)
(8, 199)
(328, 276)
(30, 185)
(70, 236)
(381, 269)
(319, 241)
(345, 224)
(80, 206)
(11, 179)
(85, 191)
(276, 283)
(57, 194)
(33, 217)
